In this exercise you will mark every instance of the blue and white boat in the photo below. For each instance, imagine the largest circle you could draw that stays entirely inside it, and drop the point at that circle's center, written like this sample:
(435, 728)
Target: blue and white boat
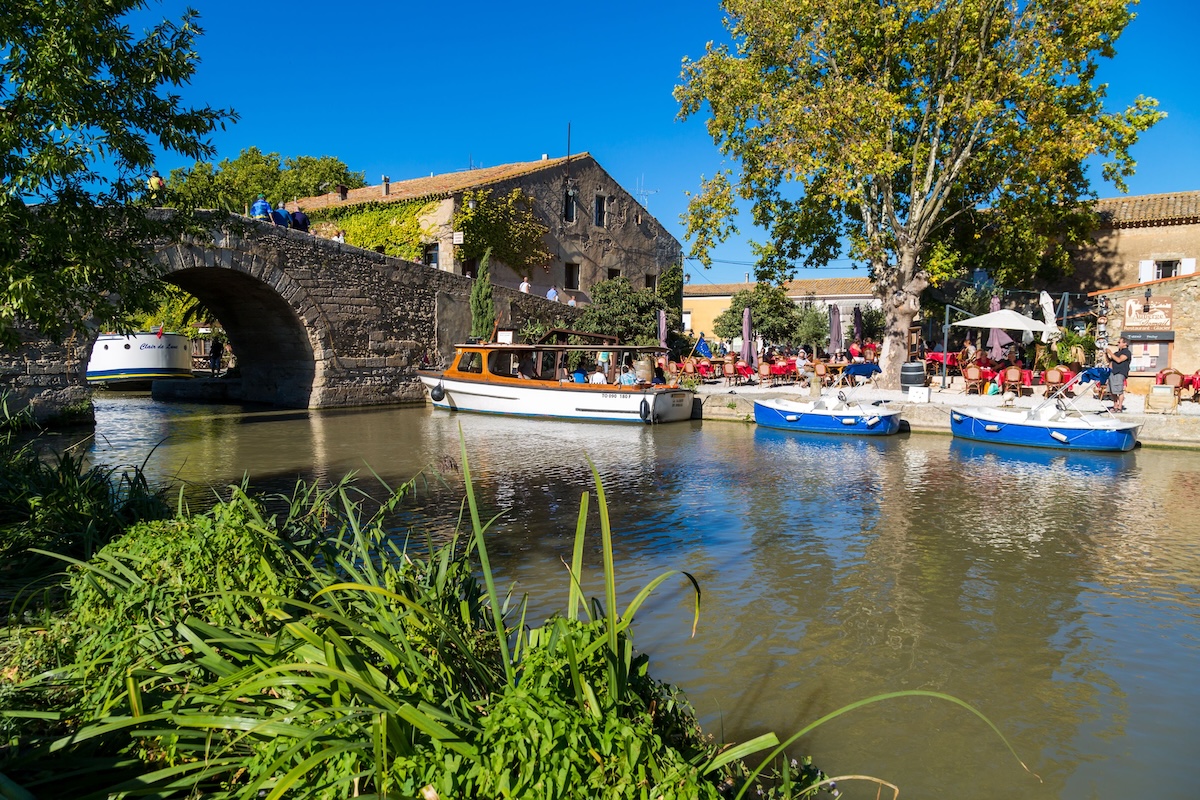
(827, 414)
(1054, 424)
(132, 361)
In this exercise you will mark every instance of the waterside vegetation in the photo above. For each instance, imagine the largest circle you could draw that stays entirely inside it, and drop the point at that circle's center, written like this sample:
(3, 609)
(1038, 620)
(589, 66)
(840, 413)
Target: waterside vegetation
(302, 646)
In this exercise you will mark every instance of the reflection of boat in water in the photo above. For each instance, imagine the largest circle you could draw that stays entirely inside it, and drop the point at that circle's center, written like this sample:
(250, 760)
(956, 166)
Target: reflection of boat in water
(535, 380)
(1053, 424)
(1041, 458)
(132, 361)
(827, 414)
(820, 446)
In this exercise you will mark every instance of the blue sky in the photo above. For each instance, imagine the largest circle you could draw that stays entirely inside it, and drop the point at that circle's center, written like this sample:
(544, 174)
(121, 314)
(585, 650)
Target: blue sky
(408, 89)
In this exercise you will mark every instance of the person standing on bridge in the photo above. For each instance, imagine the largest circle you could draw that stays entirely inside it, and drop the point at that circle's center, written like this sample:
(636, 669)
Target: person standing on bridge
(261, 209)
(552, 295)
(525, 285)
(281, 217)
(299, 220)
(157, 186)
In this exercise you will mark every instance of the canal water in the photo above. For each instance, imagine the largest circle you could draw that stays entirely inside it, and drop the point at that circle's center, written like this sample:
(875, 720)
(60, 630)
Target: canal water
(1057, 594)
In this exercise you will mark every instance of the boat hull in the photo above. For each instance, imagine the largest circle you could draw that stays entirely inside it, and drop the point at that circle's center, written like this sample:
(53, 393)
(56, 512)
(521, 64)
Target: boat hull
(1056, 432)
(804, 417)
(561, 401)
(135, 360)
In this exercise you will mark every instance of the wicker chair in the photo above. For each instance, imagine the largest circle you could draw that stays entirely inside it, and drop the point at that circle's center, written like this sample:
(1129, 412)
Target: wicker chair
(1010, 379)
(972, 379)
(1052, 379)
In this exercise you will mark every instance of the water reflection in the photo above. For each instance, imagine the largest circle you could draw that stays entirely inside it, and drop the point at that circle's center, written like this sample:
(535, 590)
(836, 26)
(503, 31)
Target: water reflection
(1056, 592)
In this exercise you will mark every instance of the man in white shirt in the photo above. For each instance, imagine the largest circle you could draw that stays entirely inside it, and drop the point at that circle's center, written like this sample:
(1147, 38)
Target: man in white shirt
(525, 287)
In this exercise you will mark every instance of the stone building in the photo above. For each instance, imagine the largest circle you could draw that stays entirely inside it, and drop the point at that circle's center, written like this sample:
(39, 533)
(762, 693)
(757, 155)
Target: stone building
(703, 304)
(1140, 239)
(596, 230)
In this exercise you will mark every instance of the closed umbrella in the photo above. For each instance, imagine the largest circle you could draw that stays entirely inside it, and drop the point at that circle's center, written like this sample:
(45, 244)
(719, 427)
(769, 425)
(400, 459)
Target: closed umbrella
(997, 339)
(858, 324)
(748, 354)
(835, 329)
(662, 328)
(1052, 333)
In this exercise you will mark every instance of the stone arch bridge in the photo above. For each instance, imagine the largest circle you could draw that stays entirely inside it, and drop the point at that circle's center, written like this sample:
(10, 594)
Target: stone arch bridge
(313, 323)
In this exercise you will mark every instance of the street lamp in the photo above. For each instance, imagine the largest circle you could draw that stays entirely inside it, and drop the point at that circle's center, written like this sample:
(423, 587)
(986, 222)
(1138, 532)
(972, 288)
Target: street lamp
(1146, 307)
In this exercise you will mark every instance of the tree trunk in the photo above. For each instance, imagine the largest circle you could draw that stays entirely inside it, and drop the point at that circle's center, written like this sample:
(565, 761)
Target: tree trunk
(900, 289)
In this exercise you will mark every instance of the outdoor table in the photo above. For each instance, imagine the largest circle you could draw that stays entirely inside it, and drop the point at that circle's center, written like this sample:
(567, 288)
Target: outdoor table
(949, 359)
(745, 371)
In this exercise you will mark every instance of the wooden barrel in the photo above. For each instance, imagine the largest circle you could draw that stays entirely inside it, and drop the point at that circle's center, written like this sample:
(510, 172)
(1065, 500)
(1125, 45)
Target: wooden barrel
(912, 373)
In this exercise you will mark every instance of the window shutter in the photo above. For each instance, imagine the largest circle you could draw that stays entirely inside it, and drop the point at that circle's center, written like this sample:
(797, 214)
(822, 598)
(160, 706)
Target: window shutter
(1145, 271)
(1187, 266)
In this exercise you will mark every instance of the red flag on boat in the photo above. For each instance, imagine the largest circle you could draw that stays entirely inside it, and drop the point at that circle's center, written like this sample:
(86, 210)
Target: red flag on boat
(159, 332)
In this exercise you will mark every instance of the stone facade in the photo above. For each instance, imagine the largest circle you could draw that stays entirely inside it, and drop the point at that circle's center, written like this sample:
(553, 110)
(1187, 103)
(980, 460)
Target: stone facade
(1174, 311)
(1141, 239)
(313, 323)
(47, 379)
(610, 233)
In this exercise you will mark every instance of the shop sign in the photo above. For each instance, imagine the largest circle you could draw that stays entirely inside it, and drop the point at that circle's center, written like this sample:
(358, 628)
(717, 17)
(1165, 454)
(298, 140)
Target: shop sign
(1157, 318)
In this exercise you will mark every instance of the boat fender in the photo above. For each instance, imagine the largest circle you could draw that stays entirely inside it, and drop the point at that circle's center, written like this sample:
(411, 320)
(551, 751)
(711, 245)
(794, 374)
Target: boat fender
(644, 411)
(437, 393)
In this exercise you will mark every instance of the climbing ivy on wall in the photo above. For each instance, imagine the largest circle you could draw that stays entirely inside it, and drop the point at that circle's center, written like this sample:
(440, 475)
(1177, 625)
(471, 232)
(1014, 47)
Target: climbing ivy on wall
(394, 227)
(504, 224)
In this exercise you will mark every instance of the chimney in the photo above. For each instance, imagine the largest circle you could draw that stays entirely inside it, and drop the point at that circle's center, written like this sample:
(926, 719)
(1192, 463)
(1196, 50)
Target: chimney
(545, 156)
(342, 191)
(387, 184)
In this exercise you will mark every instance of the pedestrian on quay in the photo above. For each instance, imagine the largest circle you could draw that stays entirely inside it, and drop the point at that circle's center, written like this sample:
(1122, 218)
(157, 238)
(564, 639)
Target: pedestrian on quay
(1119, 357)
(214, 356)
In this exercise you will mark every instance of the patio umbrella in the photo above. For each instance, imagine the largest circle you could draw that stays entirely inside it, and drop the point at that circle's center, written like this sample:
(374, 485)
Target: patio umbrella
(997, 339)
(748, 354)
(858, 324)
(835, 329)
(662, 328)
(1052, 333)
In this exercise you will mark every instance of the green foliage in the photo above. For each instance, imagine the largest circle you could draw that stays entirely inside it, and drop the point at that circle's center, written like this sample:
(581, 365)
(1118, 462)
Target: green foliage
(618, 309)
(504, 225)
(85, 105)
(483, 309)
(61, 505)
(773, 314)
(812, 326)
(891, 126)
(391, 228)
(174, 309)
(234, 183)
(670, 286)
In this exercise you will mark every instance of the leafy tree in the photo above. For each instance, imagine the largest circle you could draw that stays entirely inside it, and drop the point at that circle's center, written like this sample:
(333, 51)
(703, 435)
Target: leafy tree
(232, 184)
(888, 123)
(83, 104)
(812, 326)
(505, 225)
(483, 309)
(774, 314)
(174, 309)
(670, 286)
(618, 309)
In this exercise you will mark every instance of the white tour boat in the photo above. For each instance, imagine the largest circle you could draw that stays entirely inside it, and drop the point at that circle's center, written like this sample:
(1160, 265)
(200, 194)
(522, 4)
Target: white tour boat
(132, 361)
(543, 380)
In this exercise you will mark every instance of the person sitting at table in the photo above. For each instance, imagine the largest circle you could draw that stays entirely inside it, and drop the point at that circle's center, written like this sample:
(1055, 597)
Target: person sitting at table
(659, 378)
(855, 352)
(870, 351)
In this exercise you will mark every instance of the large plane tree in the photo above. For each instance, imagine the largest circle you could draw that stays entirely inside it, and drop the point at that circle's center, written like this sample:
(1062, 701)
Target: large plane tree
(888, 126)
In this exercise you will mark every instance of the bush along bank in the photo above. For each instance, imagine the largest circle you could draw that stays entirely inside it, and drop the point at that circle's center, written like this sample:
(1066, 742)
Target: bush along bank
(307, 653)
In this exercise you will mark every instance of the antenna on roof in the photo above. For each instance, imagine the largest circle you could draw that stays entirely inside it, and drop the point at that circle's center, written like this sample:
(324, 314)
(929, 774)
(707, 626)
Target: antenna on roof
(643, 194)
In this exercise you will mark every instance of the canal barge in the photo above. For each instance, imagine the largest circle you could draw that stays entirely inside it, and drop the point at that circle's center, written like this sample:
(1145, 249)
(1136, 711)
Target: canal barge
(132, 361)
(551, 379)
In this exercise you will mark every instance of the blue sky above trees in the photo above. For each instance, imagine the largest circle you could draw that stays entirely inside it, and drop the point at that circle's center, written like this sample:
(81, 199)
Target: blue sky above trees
(406, 90)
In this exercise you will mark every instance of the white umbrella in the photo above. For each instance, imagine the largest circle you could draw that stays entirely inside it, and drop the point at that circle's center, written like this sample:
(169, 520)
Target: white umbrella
(1005, 318)
(1052, 333)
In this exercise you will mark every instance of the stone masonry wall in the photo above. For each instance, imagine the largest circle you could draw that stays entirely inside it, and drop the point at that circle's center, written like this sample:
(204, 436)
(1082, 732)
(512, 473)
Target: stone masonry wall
(47, 379)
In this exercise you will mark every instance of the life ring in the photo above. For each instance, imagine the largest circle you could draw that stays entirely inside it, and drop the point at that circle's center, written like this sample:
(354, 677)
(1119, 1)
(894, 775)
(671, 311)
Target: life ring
(644, 411)
(437, 393)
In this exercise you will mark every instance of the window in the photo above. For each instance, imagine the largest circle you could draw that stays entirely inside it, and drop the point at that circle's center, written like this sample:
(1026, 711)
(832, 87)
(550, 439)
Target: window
(601, 210)
(571, 280)
(471, 268)
(614, 273)
(1166, 269)
(431, 255)
(651, 280)
(687, 320)
(569, 205)
(470, 362)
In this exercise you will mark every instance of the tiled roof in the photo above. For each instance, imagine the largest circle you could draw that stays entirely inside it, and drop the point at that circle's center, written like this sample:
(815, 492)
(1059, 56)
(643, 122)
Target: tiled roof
(436, 185)
(821, 287)
(1150, 209)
